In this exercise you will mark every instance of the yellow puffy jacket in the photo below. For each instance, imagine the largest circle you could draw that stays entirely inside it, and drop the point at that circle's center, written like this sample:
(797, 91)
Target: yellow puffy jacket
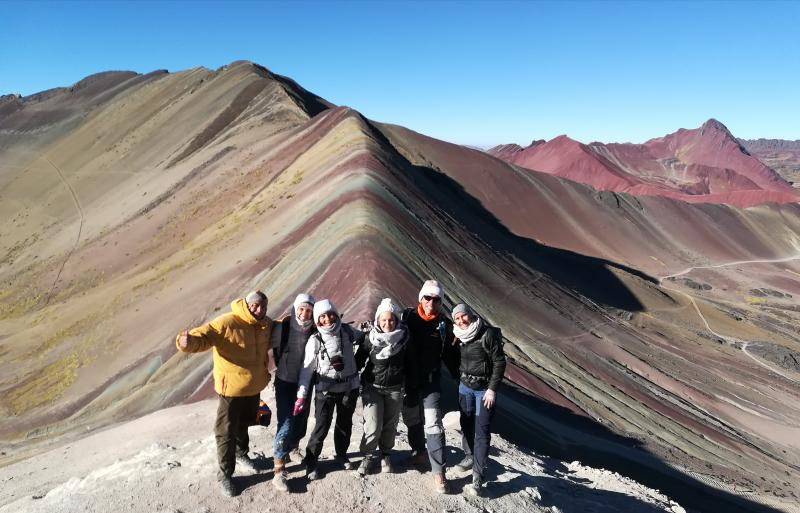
(241, 350)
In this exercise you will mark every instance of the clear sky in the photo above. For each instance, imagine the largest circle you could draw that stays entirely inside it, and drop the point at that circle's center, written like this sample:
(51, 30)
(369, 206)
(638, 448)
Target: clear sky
(477, 73)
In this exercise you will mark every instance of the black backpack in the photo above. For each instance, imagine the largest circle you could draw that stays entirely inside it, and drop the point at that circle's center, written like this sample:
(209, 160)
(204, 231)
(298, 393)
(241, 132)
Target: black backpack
(277, 352)
(285, 327)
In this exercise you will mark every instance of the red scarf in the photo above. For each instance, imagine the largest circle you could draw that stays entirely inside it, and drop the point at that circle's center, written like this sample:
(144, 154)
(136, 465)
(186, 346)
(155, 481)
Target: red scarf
(424, 316)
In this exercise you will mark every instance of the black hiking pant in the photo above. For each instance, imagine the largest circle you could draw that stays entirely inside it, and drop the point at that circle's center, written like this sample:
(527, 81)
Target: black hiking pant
(325, 404)
(234, 416)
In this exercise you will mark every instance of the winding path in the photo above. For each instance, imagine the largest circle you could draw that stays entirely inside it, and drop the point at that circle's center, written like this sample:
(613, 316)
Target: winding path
(744, 343)
(80, 228)
(739, 262)
(765, 365)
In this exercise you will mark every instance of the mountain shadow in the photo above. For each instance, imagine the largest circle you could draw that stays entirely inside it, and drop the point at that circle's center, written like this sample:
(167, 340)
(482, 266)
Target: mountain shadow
(533, 423)
(588, 276)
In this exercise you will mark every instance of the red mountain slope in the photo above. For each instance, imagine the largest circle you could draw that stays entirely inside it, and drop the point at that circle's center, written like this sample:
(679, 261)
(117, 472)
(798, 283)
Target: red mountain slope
(706, 165)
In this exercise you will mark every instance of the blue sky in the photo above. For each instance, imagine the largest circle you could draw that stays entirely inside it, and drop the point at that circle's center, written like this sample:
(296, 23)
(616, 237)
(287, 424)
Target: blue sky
(477, 73)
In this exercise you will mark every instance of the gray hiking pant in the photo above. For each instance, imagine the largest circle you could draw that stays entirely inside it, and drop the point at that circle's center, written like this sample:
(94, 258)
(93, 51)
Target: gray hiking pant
(381, 414)
(429, 422)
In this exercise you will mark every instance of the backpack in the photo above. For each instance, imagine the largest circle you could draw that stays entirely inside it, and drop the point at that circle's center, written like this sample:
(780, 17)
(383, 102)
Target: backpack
(322, 349)
(278, 351)
(285, 328)
(500, 343)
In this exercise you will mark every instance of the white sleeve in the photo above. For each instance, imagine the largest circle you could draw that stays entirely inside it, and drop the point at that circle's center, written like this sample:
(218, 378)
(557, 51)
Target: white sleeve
(309, 366)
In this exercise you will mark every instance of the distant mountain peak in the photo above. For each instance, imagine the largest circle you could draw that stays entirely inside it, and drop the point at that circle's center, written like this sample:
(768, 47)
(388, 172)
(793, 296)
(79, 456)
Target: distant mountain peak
(714, 123)
(672, 165)
(561, 141)
(713, 127)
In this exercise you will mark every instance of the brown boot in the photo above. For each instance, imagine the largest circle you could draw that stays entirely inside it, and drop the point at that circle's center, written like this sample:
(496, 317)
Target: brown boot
(279, 480)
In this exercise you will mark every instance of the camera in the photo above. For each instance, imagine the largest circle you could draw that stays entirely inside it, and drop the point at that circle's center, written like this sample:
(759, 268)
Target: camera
(337, 362)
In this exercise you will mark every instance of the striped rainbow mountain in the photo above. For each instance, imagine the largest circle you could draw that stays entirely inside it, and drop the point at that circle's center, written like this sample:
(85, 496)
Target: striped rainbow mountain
(649, 333)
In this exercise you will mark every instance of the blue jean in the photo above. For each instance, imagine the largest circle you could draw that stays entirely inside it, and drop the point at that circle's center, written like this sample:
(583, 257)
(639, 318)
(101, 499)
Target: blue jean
(289, 429)
(475, 422)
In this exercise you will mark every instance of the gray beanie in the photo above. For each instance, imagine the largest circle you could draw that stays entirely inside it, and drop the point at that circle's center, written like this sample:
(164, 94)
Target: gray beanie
(464, 308)
(256, 297)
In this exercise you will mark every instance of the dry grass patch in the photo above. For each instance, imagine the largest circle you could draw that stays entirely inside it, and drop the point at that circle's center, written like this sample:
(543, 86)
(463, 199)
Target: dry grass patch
(45, 387)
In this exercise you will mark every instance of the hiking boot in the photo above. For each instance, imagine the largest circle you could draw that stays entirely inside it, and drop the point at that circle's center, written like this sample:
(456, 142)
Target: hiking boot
(312, 473)
(279, 482)
(417, 459)
(227, 487)
(364, 467)
(344, 462)
(466, 463)
(247, 463)
(475, 487)
(279, 479)
(439, 482)
(472, 490)
(386, 465)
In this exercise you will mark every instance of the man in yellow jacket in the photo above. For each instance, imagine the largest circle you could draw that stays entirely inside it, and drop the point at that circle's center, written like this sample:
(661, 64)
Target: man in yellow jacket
(241, 343)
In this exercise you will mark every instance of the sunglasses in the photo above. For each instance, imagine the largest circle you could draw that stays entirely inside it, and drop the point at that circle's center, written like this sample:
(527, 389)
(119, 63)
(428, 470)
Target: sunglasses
(432, 298)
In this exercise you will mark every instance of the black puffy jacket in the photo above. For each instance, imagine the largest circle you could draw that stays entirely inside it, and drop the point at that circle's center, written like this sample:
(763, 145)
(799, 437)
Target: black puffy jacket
(483, 361)
(433, 343)
(390, 372)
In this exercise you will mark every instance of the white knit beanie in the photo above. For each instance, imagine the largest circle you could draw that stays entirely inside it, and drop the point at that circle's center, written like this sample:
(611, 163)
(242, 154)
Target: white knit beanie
(324, 306)
(303, 298)
(386, 306)
(431, 288)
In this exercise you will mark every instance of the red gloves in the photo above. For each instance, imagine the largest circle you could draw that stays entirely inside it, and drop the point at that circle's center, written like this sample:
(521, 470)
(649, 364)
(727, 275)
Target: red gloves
(299, 404)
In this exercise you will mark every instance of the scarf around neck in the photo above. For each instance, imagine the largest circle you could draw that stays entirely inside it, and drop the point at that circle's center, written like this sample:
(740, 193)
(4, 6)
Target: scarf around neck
(304, 326)
(424, 316)
(388, 344)
(332, 334)
(468, 334)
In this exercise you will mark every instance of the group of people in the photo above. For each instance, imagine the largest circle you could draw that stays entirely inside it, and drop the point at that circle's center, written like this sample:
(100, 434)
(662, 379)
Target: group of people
(393, 362)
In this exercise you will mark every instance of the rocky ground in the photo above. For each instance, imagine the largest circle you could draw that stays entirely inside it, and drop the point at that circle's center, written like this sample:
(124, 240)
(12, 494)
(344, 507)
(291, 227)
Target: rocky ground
(165, 462)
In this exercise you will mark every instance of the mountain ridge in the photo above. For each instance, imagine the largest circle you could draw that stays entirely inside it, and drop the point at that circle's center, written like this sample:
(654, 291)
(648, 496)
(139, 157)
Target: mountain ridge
(336, 203)
(706, 164)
